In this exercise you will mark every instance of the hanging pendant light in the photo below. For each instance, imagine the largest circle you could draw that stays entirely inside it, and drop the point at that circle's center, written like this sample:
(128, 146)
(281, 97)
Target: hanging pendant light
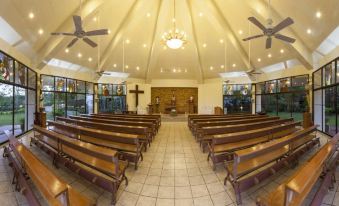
(174, 38)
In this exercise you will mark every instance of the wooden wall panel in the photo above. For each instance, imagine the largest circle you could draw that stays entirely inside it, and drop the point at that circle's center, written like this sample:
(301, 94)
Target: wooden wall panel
(182, 95)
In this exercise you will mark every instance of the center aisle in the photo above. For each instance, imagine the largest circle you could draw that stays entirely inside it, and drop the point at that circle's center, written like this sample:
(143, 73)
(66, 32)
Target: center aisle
(175, 172)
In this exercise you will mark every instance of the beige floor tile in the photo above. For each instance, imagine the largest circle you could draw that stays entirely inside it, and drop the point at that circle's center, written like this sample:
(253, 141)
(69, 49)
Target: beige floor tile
(167, 181)
(150, 190)
(128, 199)
(184, 202)
(199, 191)
(152, 180)
(203, 201)
(221, 199)
(146, 201)
(165, 202)
(134, 187)
(183, 192)
(166, 192)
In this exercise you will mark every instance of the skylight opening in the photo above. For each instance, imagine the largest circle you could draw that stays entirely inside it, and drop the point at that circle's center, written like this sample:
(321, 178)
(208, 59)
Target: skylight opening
(7, 32)
(232, 74)
(330, 43)
(66, 65)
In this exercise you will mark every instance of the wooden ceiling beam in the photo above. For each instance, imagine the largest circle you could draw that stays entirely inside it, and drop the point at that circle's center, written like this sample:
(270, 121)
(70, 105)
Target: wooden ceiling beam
(195, 39)
(151, 50)
(117, 36)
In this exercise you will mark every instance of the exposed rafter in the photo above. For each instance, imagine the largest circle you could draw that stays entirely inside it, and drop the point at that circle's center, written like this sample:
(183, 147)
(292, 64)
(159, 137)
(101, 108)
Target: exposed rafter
(195, 39)
(151, 50)
(55, 44)
(117, 35)
(303, 54)
(230, 33)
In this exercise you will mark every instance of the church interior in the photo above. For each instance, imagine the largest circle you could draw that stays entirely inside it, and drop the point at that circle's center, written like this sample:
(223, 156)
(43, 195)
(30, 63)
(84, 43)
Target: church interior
(169, 102)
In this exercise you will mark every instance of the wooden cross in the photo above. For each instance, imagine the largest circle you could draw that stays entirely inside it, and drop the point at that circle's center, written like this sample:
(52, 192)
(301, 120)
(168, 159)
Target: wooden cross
(136, 92)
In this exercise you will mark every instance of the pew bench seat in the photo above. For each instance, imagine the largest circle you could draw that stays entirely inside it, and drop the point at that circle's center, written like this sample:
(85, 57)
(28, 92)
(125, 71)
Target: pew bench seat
(103, 166)
(222, 148)
(107, 143)
(248, 166)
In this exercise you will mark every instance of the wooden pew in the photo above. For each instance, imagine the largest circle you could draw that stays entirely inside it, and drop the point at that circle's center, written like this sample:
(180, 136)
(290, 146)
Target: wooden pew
(144, 132)
(67, 151)
(223, 118)
(136, 119)
(27, 166)
(149, 116)
(128, 145)
(204, 134)
(252, 165)
(321, 166)
(199, 125)
(118, 122)
(222, 146)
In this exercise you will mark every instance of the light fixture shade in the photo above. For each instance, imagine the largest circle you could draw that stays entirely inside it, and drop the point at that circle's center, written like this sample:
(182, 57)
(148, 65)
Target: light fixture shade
(174, 43)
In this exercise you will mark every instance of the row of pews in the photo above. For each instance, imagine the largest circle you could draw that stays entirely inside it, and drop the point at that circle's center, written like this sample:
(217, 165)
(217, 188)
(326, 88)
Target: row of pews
(98, 147)
(256, 147)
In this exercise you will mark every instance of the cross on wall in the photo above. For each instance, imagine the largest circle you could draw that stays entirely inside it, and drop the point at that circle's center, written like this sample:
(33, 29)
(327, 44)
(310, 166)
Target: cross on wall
(136, 92)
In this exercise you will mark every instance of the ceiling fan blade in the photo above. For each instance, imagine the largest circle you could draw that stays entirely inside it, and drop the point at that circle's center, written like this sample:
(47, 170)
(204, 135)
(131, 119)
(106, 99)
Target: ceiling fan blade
(90, 42)
(72, 42)
(77, 23)
(285, 23)
(97, 32)
(253, 37)
(268, 42)
(62, 33)
(257, 23)
(284, 38)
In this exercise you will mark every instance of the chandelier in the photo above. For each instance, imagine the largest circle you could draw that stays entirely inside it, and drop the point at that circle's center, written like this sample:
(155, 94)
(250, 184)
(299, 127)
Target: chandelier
(174, 38)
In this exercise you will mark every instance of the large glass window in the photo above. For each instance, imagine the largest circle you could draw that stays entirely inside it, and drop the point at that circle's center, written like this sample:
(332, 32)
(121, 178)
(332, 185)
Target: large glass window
(112, 98)
(237, 98)
(17, 96)
(326, 98)
(285, 97)
(65, 97)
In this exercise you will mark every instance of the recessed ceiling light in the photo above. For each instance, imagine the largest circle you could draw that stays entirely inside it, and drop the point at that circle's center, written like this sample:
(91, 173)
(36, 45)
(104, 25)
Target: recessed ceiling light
(127, 41)
(31, 15)
(79, 55)
(114, 65)
(222, 66)
(282, 51)
(41, 31)
(174, 70)
(234, 65)
(201, 14)
(221, 41)
(240, 32)
(179, 70)
(318, 14)
(186, 71)
(148, 14)
(204, 45)
(182, 47)
(259, 60)
(173, 20)
(138, 68)
(165, 47)
(269, 55)
(66, 50)
(126, 66)
(109, 31)
(161, 70)
(211, 68)
(309, 31)
(90, 59)
(144, 45)
(95, 19)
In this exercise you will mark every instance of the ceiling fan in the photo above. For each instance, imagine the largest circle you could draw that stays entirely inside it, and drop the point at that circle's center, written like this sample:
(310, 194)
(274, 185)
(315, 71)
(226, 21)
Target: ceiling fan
(271, 31)
(79, 33)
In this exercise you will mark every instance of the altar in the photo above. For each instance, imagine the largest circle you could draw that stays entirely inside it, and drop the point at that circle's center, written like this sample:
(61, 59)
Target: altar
(182, 100)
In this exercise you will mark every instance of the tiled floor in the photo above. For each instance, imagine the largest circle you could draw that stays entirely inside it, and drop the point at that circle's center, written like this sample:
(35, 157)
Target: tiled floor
(174, 172)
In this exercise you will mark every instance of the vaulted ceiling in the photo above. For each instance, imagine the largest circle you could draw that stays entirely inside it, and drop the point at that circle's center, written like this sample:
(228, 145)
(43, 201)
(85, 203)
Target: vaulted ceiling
(215, 29)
